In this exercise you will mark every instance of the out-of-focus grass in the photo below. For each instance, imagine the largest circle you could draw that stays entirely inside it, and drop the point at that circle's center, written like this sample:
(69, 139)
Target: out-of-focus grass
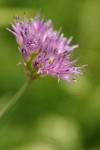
(52, 115)
(10, 11)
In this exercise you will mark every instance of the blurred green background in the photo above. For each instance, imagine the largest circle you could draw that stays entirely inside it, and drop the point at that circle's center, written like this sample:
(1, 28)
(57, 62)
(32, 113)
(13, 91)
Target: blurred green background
(52, 115)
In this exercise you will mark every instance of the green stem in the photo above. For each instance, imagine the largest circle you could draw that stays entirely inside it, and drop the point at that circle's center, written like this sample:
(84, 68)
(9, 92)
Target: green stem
(14, 99)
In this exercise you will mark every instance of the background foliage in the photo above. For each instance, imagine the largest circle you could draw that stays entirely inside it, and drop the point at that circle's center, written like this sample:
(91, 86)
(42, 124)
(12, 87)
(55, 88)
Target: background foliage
(52, 115)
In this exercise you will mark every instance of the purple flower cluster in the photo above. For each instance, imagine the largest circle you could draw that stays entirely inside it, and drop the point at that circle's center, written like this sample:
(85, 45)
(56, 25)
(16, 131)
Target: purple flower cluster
(45, 51)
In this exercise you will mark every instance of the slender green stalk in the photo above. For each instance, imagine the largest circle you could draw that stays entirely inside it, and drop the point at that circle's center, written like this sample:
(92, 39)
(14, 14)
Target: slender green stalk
(14, 99)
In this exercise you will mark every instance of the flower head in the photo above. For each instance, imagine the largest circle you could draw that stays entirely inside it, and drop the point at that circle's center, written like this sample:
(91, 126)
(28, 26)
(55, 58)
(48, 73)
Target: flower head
(44, 50)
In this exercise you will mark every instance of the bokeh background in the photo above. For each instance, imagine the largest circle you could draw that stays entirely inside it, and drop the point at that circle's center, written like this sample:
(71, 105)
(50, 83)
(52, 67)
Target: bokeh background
(52, 115)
